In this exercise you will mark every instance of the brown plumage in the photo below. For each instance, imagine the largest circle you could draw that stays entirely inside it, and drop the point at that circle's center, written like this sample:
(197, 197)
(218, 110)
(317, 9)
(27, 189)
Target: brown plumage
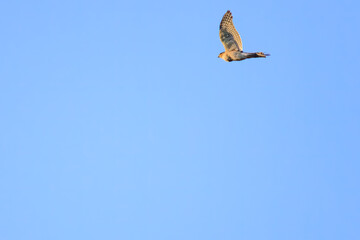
(231, 40)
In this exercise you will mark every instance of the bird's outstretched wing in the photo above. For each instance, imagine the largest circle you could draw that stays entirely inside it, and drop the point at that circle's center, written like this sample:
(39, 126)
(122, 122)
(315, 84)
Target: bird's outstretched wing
(229, 37)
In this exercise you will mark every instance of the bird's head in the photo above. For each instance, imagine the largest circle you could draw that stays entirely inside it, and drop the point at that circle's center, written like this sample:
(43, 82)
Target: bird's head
(221, 55)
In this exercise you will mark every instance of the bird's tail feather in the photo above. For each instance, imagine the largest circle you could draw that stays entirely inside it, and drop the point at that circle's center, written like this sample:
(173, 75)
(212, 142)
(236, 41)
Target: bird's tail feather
(261, 54)
(256, 55)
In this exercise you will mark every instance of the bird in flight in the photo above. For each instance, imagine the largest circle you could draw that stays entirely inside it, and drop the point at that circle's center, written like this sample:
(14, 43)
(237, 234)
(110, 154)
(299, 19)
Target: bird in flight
(231, 40)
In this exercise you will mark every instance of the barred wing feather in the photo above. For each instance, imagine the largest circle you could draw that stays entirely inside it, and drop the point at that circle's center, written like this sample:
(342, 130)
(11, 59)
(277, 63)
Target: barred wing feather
(229, 37)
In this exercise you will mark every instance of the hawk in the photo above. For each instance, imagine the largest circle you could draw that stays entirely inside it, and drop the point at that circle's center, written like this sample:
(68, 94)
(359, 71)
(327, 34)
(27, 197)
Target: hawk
(231, 40)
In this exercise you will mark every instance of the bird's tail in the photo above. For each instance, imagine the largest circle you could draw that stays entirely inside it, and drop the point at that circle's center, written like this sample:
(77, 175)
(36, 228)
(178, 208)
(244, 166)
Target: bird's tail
(256, 55)
(261, 54)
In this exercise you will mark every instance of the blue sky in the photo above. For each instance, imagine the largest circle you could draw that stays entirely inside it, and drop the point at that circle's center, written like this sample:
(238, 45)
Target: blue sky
(119, 121)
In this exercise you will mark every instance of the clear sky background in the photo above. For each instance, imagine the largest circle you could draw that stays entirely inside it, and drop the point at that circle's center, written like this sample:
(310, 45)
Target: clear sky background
(118, 121)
